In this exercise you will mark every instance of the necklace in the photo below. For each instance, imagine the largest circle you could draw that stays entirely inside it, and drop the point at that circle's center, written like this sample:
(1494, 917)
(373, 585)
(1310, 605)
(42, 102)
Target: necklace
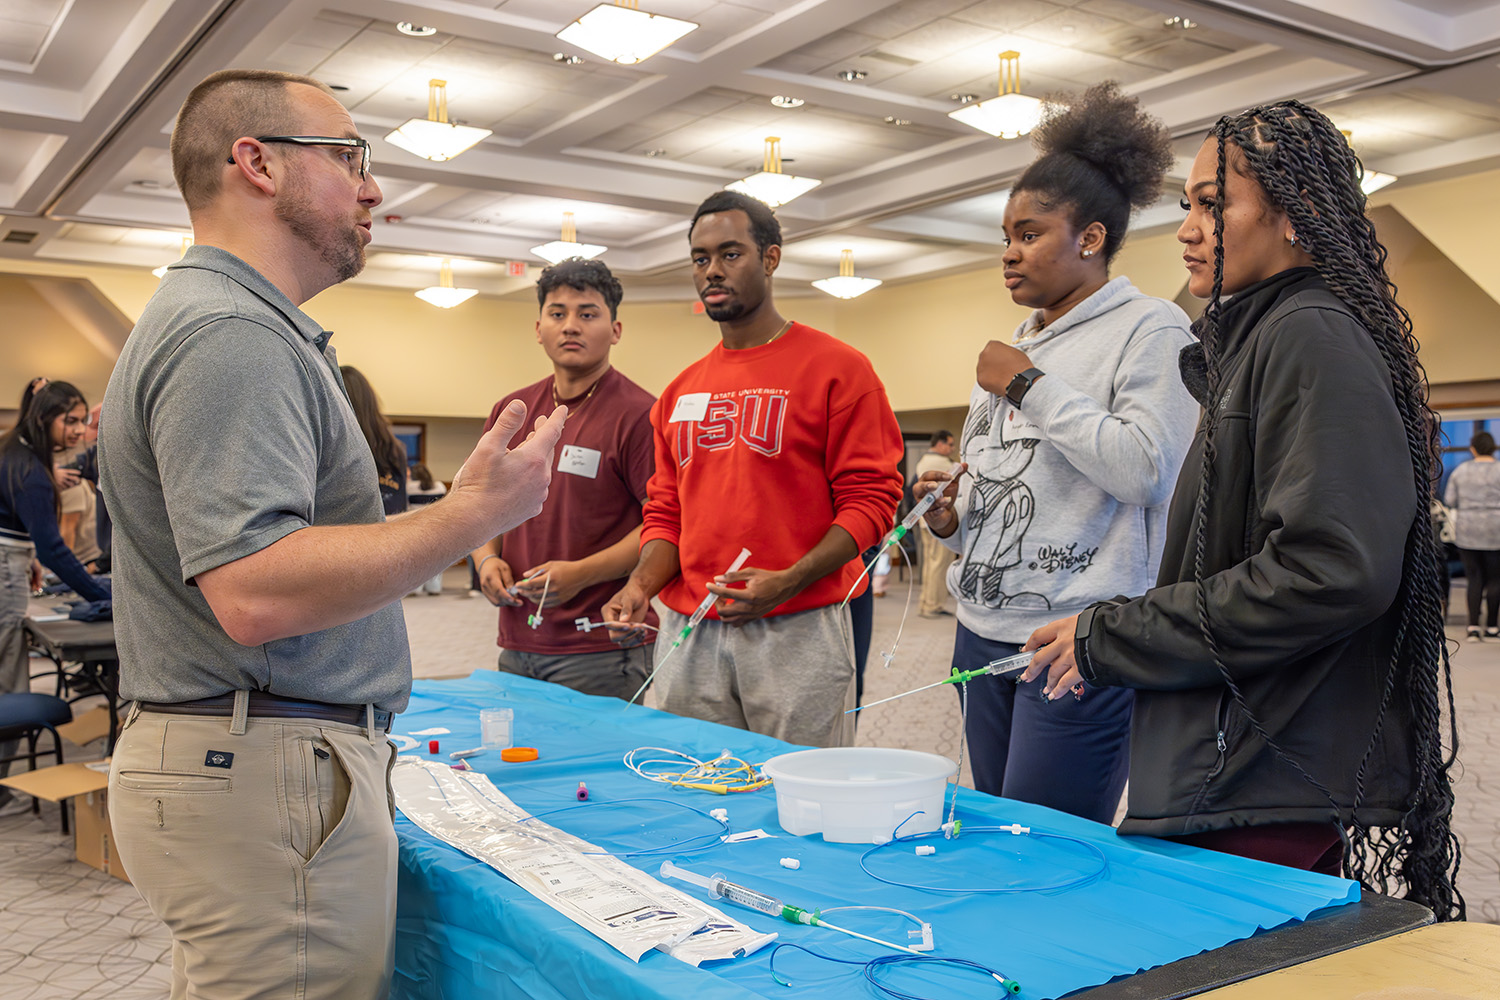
(557, 400)
(784, 328)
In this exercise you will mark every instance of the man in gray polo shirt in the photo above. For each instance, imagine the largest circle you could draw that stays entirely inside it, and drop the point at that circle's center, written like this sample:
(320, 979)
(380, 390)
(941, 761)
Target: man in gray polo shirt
(257, 589)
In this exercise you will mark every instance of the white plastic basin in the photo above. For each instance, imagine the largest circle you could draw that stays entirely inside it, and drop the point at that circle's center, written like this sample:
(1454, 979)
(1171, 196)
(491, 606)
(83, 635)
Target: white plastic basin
(858, 795)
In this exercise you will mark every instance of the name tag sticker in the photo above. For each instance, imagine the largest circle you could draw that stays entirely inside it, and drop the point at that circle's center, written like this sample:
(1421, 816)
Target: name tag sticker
(1017, 428)
(579, 461)
(690, 407)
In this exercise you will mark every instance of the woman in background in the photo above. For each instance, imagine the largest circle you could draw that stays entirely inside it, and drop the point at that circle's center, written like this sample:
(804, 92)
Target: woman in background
(1473, 494)
(53, 422)
(389, 454)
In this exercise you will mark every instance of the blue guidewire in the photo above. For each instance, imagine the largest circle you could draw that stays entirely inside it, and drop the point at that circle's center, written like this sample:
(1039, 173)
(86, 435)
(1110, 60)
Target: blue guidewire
(1010, 986)
(668, 849)
(1073, 883)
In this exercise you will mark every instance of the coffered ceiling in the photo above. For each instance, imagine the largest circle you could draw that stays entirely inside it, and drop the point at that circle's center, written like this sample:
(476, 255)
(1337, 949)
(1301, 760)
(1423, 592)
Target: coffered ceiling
(89, 89)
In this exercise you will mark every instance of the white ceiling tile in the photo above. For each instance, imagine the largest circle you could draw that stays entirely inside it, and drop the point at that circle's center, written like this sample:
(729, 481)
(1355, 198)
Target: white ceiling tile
(900, 18)
(1007, 15)
(938, 39)
(331, 29)
(42, 12)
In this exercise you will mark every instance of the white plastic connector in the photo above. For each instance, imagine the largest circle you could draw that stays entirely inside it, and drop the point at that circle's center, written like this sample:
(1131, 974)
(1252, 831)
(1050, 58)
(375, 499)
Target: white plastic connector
(925, 934)
(950, 829)
(925, 849)
(1017, 829)
(791, 863)
(583, 624)
(722, 815)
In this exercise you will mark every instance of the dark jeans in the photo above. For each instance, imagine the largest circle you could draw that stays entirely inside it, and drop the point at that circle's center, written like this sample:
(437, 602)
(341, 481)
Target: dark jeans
(862, 621)
(1482, 583)
(1069, 755)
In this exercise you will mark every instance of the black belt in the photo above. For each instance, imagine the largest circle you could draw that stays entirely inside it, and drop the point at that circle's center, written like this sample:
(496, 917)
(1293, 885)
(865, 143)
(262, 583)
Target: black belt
(263, 705)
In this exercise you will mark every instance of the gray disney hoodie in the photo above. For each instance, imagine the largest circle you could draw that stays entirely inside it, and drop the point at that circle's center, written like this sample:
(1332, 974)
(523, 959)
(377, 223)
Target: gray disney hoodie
(1066, 497)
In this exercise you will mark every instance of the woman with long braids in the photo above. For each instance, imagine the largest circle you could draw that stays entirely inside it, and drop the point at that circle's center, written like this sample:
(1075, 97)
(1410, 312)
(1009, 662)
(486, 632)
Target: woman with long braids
(1290, 665)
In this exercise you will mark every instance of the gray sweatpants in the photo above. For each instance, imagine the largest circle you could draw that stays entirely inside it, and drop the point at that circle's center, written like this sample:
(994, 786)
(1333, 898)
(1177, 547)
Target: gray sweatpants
(615, 673)
(791, 676)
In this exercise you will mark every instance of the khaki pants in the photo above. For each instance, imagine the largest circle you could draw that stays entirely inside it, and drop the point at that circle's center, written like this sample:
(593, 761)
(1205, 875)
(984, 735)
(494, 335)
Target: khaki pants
(936, 558)
(276, 874)
(791, 676)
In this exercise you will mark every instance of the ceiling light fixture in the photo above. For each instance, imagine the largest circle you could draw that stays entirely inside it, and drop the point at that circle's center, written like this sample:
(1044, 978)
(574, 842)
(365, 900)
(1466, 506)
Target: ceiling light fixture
(963, 98)
(654, 153)
(414, 30)
(771, 185)
(568, 246)
(846, 285)
(1181, 23)
(566, 60)
(623, 33)
(161, 272)
(893, 120)
(782, 101)
(435, 137)
(852, 75)
(1008, 116)
(443, 294)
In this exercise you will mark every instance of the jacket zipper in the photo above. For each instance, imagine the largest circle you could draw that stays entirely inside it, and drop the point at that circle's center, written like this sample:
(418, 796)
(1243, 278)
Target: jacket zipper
(1223, 745)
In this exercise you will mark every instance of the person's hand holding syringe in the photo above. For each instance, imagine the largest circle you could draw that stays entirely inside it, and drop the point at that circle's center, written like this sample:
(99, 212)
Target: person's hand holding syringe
(935, 493)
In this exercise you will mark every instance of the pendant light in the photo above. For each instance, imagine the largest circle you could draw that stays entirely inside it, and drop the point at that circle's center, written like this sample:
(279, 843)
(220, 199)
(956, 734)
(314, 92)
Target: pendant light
(770, 185)
(568, 246)
(621, 32)
(1010, 115)
(435, 137)
(846, 285)
(443, 294)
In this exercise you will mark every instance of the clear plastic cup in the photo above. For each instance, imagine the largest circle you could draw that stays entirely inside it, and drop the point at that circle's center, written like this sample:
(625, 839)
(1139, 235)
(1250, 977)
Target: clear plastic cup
(494, 727)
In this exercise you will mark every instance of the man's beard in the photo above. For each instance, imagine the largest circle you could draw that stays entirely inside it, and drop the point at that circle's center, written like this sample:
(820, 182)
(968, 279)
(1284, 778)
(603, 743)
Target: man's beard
(726, 313)
(339, 248)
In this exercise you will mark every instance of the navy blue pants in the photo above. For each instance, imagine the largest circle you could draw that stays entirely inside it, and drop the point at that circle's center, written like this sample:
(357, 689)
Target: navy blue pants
(1069, 755)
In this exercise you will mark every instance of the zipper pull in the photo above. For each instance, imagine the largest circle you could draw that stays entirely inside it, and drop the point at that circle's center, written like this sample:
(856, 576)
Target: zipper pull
(1223, 746)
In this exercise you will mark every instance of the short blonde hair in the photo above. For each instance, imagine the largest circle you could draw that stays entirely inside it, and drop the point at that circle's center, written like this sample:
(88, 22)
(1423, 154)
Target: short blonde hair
(226, 105)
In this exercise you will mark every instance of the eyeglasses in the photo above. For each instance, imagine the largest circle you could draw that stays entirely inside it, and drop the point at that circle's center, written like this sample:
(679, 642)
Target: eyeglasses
(363, 145)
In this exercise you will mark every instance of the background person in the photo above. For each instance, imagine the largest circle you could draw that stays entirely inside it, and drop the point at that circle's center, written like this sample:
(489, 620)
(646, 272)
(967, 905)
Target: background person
(1287, 663)
(1074, 438)
(1473, 494)
(780, 440)
(587, 537)
(52, 423)
(258, 613)
(422, 487)
(389, 453)
(936, 557)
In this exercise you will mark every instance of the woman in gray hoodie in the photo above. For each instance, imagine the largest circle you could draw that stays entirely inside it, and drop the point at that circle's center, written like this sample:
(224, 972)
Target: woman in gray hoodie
(1073, 442)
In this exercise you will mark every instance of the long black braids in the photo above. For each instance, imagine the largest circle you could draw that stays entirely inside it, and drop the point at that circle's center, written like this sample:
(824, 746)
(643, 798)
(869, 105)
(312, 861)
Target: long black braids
(1306, 169)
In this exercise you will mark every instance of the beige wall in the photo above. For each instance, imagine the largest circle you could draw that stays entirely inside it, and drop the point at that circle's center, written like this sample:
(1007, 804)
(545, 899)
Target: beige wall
(449, 367)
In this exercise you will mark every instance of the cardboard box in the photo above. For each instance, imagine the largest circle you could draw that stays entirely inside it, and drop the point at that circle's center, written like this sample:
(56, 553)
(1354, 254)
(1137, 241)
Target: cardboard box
(85, 784)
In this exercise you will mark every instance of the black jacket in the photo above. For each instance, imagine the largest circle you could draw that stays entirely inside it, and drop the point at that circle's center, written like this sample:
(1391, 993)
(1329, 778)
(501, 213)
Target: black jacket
(1308, 513)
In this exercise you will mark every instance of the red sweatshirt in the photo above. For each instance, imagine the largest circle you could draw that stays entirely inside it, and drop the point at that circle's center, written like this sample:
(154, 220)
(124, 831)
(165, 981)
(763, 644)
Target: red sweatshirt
(786, 441)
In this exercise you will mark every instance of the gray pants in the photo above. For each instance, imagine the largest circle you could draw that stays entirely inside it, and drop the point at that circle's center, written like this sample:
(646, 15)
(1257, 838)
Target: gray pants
(613, 673)
(15, 660)
(791, 677)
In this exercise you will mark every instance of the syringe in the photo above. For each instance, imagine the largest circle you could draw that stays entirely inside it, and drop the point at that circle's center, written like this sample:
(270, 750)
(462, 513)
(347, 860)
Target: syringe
(716, 885)
(922, 506)
(995, 668)
(693, 621)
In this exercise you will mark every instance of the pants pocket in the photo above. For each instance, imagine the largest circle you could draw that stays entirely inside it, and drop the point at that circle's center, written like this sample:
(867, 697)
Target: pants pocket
(172, 781)
(317, 795)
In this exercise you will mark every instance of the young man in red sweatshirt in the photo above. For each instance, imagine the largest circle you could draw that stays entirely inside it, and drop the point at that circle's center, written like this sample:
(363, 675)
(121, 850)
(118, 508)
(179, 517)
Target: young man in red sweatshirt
(780, 440)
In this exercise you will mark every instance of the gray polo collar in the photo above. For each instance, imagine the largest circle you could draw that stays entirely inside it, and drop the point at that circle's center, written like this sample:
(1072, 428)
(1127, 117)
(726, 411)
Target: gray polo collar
(223, 262)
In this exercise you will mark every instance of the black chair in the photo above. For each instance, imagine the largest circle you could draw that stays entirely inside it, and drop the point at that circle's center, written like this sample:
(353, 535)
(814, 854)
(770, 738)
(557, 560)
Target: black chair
(25, 716)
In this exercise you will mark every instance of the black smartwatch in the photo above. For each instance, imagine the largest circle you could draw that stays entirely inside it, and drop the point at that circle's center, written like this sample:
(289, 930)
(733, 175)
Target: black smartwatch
(1021, 385)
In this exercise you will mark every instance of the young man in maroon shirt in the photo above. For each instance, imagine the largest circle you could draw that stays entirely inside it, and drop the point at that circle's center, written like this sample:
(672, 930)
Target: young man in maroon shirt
(564, 564)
